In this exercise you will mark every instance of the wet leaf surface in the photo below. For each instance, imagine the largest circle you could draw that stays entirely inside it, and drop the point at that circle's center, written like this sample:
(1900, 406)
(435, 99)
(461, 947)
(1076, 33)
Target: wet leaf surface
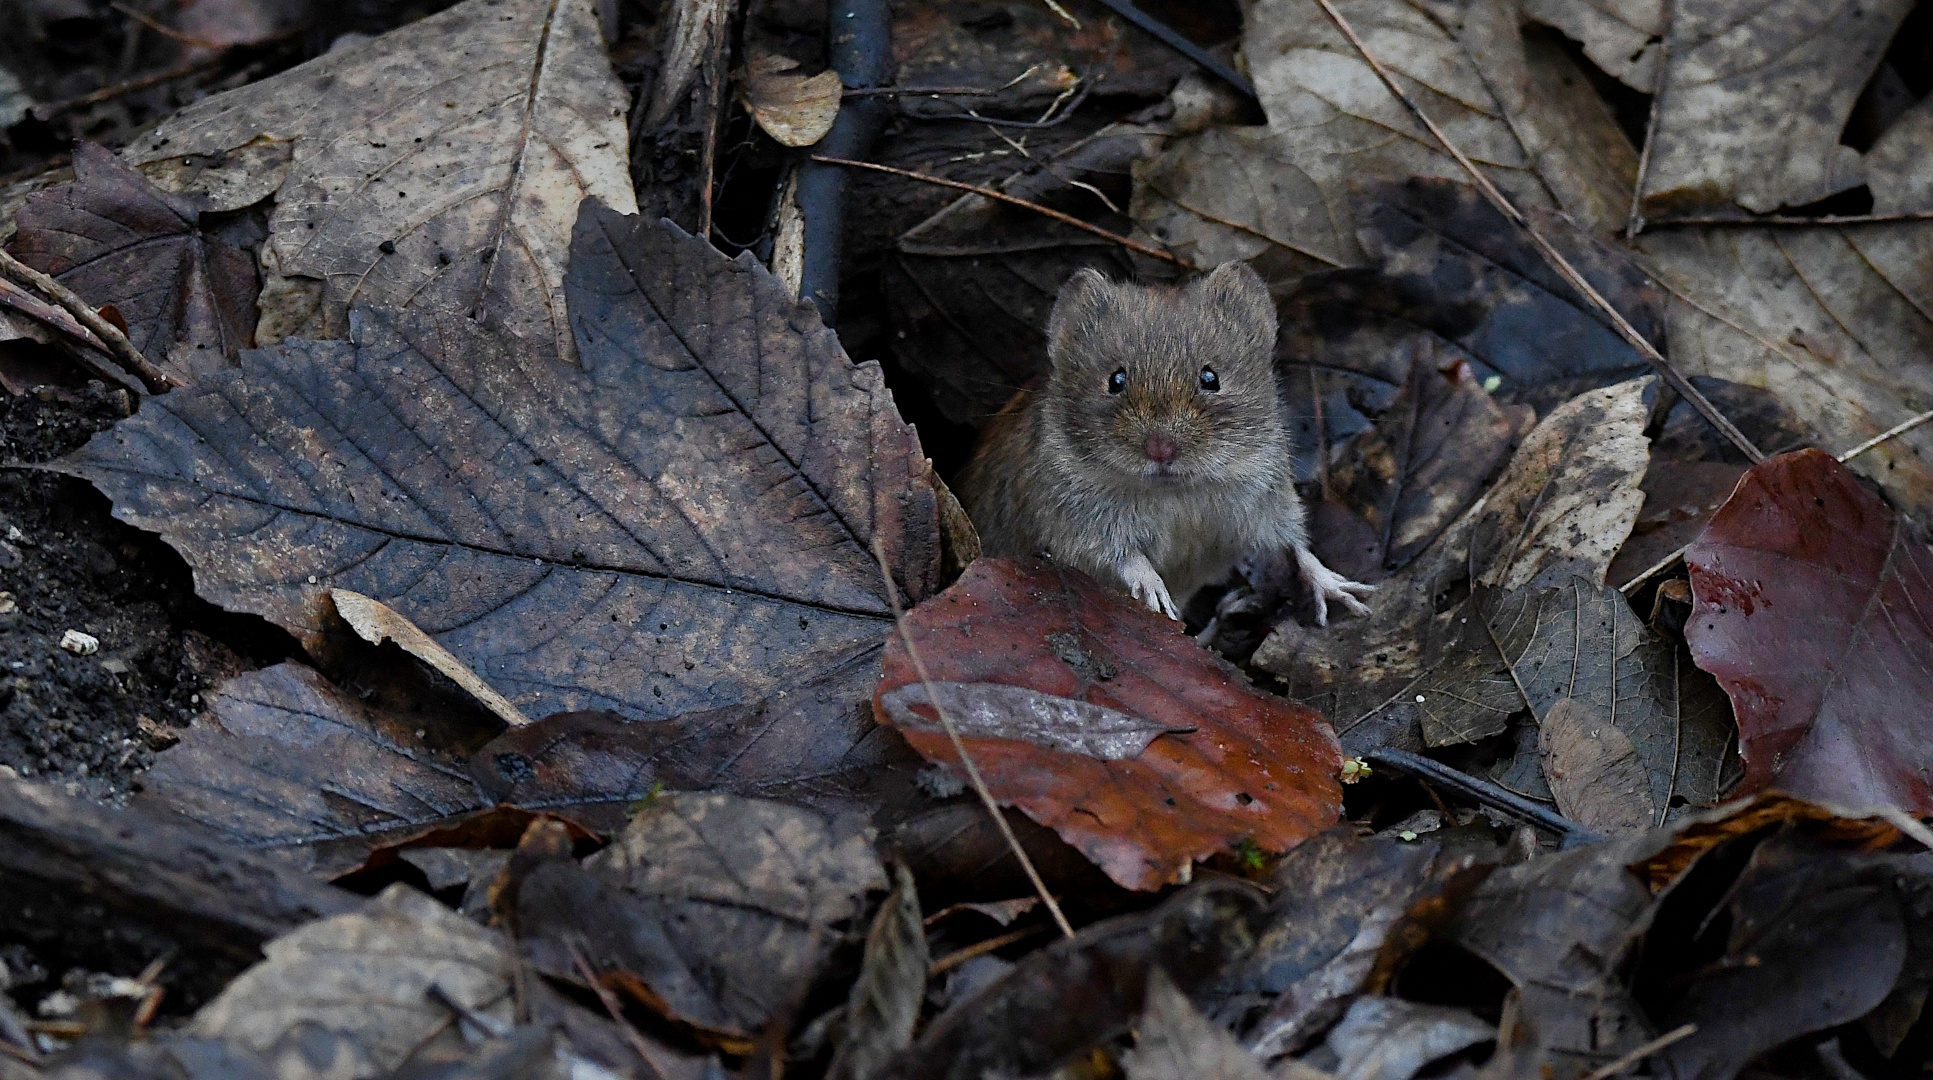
(1812, 604)
(683, 523)
(1234, 764)
(180, 277)
(438, 167)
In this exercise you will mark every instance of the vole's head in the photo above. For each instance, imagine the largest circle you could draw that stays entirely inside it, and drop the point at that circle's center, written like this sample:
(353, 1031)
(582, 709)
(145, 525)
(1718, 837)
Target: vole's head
(1166, 383)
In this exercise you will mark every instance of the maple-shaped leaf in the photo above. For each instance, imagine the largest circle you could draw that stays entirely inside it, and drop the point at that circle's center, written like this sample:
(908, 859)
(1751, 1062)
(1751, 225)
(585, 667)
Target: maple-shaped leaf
(1813, 605)
(685, 522)
(437, 166)
(186, 291)
(1105, 722)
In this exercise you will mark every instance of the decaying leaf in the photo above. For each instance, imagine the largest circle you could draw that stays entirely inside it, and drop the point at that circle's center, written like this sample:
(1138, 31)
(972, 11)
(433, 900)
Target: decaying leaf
(1833, 320)
(1228, 763)
(1814, 608)
(1596, 777)
(438, 167)
(282, 759)
(795, 110)
(1230, 193)
(683, 523)
(1620, 36)
(1069, 996)
(185, 288)
(1753, 100)
(1419, 669)
(369, 975)
(884, 1003)
(1173, 1041)
(713, 909)
(1386, 1038)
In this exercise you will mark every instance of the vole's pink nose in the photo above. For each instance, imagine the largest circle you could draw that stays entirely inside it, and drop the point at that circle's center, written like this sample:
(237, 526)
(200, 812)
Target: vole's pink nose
(1160, 448)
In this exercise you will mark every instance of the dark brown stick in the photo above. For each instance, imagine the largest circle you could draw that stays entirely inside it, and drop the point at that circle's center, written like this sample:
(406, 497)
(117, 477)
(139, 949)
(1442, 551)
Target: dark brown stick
(1001, 196)
(117, 343)
(1551, 255)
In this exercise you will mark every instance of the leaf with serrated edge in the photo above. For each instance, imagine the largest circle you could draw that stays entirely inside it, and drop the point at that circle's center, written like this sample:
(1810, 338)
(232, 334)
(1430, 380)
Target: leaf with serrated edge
(462, 143)
(684, 523)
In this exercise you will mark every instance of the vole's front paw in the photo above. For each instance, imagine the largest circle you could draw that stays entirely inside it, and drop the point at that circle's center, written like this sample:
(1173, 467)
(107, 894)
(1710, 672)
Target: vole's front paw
(1144, 584)
(1329, 585)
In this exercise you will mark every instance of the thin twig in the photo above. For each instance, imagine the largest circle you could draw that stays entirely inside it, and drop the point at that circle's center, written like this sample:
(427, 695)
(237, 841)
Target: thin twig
(1079, 95)
(714, 115)
(1001, 196)
(954, 959)
(117, 342)
(1891, 432)
(1640, 1053)
(609, 999)
(1635, 223)
(1653, 570)
(1551, 255)
(1908, 824)
(164, 29)
(959, 747)
(109, 93)
(1065, 15)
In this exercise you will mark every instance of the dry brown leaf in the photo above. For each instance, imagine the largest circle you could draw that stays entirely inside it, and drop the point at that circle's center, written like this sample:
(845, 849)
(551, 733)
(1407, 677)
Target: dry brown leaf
(1594, 771)
(438, 166)
(795, 110)
(1194, 761)
(1620, 36)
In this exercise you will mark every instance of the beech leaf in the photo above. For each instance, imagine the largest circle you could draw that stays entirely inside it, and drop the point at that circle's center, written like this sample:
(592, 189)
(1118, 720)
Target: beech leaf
(1813, 605)
(438, 166)
(684, 523)
(1231, 764)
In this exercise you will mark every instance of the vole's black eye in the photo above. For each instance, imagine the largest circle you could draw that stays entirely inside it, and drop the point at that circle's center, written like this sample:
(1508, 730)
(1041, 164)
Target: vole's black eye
(1118, 381)
(1210, 382)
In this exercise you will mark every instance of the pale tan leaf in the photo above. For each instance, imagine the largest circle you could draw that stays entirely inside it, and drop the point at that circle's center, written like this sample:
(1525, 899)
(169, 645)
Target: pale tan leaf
(1620, 36)
(1594, 770)
(376, 622)
(440, 165)
(795, 110)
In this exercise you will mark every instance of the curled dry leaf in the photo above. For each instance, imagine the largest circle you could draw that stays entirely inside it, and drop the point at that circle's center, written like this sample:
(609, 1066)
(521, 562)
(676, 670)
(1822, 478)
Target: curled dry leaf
(712, 909)
(1813, 605)
(683, 523)
(376, 622)
(795, 110)
(885, 1000)
(1231, 193)
(1228, 764)
(1753, 101)
(439, 166)
(1561, 509)
(1174, 1041)
(184, 287)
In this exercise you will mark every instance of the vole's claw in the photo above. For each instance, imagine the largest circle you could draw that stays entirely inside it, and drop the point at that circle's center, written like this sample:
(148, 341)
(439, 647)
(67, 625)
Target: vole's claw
(1329, 585)
(1144, 584)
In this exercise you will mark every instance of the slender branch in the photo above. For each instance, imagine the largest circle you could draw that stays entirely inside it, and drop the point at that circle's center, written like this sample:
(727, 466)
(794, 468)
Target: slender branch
(1551, 255)
(1795, 219)
(609, 1000)
(1639, 1053)
(1891, 432)
(954, 959)
(117, 342)
(1654, 570)
(1635, 223)
(109, 93)
(1001, 196)
(959, 747)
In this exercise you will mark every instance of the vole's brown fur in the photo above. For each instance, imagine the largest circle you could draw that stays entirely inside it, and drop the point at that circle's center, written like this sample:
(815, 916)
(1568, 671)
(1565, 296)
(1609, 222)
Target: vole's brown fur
(1159, 487)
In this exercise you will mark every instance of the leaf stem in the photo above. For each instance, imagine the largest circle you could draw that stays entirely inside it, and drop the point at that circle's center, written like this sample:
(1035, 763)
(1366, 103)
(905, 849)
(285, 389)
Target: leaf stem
(118, 344)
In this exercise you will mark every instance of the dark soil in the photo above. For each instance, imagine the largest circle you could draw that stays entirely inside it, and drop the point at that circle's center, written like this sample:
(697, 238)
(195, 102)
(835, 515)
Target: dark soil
(95, 720)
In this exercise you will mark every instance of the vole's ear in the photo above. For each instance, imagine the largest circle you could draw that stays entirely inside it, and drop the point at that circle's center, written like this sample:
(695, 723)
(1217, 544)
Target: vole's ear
(1237, 290)
(1080, 302)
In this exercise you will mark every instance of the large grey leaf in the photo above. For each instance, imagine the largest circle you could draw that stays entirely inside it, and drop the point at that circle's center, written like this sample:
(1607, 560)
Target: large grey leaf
(684, 523)
(1836, 321)
(438, 166)
(1753, 101)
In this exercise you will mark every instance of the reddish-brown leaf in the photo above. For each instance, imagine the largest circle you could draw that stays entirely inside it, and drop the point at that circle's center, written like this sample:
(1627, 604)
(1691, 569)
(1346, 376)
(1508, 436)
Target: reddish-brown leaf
(1227, 762)
(1813, 605)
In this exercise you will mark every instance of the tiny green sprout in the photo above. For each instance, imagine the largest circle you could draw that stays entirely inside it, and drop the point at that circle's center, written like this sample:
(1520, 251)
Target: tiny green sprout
(1354, 769)
(1250, 855)
(1490, 384)
(1407, 834)
(650, 796)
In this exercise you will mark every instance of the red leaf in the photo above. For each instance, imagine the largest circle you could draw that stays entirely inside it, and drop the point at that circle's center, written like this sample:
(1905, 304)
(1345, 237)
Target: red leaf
(1228, 762)
(1813, 606)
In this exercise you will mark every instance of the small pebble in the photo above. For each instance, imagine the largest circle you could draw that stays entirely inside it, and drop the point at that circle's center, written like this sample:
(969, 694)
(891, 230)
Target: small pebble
(8, 605)
(80, 644)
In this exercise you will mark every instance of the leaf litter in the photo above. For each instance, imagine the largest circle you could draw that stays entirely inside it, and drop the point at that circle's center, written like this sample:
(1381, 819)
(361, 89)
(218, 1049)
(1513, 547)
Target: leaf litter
(608, 502)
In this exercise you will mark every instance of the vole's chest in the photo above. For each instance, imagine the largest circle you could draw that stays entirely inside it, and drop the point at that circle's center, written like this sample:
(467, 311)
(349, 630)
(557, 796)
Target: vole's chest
(1190, 534)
